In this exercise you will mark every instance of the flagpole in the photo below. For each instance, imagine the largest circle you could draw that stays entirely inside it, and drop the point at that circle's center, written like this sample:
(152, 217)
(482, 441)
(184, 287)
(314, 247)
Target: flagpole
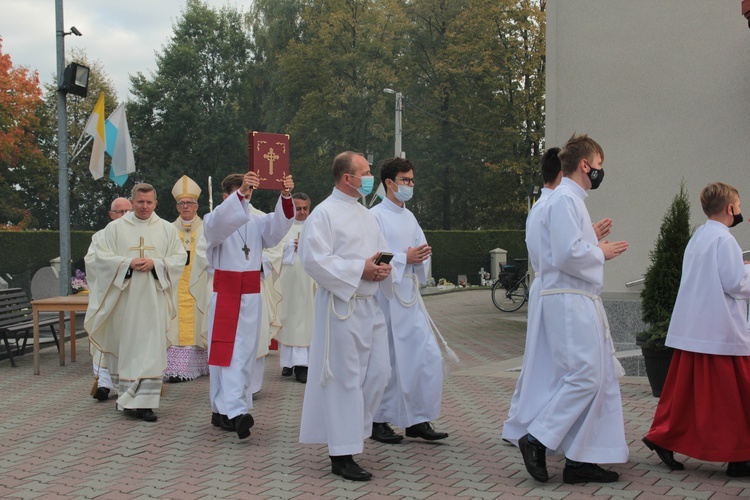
(77, 152)
(62, 156)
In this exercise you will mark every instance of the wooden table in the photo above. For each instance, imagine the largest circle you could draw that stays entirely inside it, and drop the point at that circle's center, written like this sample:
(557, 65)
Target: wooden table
(72, 304)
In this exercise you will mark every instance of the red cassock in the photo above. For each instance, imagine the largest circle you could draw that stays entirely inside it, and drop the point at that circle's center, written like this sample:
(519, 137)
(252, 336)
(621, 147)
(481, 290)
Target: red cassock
(704, 409)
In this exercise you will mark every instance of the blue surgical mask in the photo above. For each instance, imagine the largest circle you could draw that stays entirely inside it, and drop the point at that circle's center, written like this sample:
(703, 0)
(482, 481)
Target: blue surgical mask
(368, 182)
(404, 193)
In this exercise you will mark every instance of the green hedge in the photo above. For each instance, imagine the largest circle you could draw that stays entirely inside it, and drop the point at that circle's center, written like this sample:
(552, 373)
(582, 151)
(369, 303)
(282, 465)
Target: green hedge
(454, 252)
(465, 252)
(31, 250)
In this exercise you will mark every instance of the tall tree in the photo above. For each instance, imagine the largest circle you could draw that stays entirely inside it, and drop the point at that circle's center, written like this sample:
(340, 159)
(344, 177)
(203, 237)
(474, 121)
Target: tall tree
(20, 156)
(192, 115)
(334, 74)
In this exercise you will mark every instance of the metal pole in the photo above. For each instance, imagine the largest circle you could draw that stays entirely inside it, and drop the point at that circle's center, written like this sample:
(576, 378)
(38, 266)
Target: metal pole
(62, 155)
(399, 129)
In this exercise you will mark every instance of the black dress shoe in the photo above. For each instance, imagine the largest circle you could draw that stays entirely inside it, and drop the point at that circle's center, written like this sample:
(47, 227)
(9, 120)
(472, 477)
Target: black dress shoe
(666, 456)
(534, 458)
(215, 419)
(382, 432)
(588, 473)
(300, 373)
(346, 467)
(175, 380)
(102, 394)
(287, 371)
(146, 414)
(242, 424)
(738, 469)
(425, 431)
(225, 423)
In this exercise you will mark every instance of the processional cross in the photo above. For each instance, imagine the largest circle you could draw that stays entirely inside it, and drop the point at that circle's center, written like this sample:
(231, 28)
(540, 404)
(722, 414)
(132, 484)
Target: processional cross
(271, 157)
(142, 248)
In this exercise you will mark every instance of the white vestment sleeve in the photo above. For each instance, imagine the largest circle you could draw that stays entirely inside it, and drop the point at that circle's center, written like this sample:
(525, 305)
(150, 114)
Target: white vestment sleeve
(220, 224)
(289, 251)
(571, 253)
(733, 272)
(275, 225)
(339, 276)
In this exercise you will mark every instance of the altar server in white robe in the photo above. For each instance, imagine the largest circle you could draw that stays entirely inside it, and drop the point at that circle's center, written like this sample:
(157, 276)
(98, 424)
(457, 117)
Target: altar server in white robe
(522, 405)
(234, 247)
(137, 264)
(515, 426)
(349, 366)
(118, 208)
(578, 408)
(296, 310)
(414, 394)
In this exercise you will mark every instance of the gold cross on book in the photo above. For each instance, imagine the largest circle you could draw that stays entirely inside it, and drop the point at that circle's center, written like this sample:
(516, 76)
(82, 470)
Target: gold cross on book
(271, 157)
(142, 248)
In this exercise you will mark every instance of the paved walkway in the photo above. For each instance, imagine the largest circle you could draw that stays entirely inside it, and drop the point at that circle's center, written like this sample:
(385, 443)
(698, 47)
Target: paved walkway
(59, 442)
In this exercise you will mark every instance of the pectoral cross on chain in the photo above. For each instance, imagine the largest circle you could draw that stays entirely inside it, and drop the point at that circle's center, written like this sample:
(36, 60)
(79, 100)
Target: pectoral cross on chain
(247, 251)
(271, 157)
(142, 248)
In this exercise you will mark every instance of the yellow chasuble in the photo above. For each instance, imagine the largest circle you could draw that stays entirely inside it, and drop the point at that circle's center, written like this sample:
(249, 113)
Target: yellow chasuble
(192, 291)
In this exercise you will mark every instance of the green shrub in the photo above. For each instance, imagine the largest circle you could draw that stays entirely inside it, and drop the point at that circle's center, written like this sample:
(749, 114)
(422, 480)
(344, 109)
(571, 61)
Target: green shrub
(662, 280)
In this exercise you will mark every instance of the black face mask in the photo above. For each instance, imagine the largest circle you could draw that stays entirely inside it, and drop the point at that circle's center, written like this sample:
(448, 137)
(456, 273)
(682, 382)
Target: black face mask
(737, 218)
(596, 176)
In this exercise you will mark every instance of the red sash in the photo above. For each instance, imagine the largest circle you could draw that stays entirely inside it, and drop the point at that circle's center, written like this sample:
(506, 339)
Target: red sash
(229, 287)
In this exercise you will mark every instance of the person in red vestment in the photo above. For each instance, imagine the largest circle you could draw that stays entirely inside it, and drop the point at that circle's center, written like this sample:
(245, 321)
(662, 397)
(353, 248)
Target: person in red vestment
(704, 410)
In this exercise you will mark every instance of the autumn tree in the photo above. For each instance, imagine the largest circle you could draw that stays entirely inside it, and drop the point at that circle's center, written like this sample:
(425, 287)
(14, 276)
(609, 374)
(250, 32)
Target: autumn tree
(20, 99)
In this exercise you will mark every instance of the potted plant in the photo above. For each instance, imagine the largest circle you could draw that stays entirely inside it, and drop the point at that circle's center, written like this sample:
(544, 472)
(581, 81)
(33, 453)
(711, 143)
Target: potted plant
(661, 284)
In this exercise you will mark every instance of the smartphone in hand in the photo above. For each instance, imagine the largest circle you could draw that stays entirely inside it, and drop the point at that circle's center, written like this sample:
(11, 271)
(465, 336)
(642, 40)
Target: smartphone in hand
(383, 258)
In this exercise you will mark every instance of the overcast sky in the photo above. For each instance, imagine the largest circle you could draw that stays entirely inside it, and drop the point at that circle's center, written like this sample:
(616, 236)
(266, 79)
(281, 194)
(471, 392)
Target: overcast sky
(122, 35)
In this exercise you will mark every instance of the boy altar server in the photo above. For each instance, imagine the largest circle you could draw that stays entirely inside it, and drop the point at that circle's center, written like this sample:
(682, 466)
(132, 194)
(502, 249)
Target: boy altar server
(580, 414)
(704, 409)
(234, 247)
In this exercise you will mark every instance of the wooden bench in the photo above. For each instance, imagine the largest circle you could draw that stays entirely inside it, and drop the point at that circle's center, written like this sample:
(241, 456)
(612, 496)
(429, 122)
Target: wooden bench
(16, 319)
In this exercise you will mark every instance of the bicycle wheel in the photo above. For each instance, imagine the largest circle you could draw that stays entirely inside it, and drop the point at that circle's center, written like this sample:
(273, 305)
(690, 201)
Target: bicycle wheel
(510, 300)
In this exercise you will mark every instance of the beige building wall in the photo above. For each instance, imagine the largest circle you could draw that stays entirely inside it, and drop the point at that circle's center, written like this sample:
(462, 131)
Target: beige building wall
(664, 87)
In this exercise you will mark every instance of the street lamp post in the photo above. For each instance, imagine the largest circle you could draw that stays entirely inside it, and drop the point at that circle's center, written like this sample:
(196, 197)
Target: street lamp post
(62, 149)
(62, 155)
(399, 128)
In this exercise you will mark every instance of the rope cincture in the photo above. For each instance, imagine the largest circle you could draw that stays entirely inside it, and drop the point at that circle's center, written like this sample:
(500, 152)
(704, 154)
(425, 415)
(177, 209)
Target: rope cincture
(619, 370)
(327, 373)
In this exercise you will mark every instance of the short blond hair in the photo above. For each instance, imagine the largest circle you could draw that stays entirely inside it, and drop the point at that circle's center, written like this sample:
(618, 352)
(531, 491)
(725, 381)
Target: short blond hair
(578, 147)
(142, 188)
(715, 197)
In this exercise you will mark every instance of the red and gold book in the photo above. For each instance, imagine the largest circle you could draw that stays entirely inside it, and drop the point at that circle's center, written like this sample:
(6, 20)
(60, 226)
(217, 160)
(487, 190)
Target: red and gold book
(268, 155)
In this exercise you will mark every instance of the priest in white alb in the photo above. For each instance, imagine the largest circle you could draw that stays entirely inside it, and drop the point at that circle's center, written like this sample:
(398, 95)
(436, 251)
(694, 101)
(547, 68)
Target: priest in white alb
(187, 358)
(137, 263)
(296, 310)
(413, 397)
(119, 207)
(235, 240)
(349, 365)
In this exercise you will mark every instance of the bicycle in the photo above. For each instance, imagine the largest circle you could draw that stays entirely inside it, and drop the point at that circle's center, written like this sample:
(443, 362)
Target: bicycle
(511, 290)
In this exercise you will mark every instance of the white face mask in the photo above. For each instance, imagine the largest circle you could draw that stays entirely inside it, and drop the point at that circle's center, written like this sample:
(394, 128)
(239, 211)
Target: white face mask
(404, 193)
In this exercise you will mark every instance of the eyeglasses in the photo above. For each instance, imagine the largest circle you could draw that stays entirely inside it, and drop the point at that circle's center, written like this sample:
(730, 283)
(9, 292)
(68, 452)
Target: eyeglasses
(120, 212)
(406, 180)
(186, 203)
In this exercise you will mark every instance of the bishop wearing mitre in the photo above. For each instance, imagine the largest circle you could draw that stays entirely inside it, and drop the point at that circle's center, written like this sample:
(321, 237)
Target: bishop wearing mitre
(137, 263)
(187, 358)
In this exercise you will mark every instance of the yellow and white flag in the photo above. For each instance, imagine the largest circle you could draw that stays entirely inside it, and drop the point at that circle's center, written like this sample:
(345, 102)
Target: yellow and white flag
(95, 128)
